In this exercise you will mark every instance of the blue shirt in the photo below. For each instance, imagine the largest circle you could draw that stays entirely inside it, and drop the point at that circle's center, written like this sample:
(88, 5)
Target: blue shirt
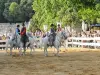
(17, 31)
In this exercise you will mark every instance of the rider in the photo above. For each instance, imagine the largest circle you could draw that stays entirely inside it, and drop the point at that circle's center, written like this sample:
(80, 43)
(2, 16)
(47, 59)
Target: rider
(24, 37)
(52, 32)
(18, 30)
(59, 28)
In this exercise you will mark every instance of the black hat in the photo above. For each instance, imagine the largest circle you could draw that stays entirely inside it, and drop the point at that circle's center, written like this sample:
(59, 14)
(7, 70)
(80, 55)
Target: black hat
(52, 25)
(18, 26)
(23, 24)
(58, 24)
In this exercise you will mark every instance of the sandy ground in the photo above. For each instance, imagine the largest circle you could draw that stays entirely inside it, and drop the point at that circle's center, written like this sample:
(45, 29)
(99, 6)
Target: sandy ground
(71, 62)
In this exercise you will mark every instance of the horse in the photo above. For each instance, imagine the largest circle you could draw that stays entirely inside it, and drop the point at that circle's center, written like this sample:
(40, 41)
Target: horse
(57, 43)
(15, 41)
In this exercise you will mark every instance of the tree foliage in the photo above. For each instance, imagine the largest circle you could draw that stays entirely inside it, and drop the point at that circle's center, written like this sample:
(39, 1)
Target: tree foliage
(45, 12)
(16, 10)
(68, 12)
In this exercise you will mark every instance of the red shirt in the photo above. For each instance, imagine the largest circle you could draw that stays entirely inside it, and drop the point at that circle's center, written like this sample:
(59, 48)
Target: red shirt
(59, 29)
(23, 31)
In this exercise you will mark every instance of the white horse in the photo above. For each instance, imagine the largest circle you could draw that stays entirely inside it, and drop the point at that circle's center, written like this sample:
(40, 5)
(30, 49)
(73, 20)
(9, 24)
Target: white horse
(16, 42)
(57, 43)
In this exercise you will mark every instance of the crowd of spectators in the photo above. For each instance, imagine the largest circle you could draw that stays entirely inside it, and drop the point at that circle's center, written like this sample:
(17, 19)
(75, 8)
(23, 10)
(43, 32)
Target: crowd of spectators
(95, 33)
(88, 34)
(2, 37)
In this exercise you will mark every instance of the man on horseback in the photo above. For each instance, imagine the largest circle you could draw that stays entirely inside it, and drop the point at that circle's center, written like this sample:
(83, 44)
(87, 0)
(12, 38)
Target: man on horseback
(17, 30)
(59, 28)
(52, 35)
(24, 37)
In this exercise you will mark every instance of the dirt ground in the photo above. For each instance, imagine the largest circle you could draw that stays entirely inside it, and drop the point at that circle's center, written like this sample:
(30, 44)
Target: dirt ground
(71, 62)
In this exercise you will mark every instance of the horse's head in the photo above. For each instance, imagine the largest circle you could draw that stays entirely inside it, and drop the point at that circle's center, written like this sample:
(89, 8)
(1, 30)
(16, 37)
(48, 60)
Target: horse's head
(63, 35)
(29, 34)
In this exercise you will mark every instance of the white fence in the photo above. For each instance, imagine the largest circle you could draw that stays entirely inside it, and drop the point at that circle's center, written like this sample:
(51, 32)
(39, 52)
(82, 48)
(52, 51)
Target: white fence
(2, 44)
(73, 41)
(83, 41)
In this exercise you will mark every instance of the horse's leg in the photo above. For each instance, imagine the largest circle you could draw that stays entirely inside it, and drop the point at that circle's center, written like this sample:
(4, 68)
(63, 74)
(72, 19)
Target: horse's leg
(57, 51)
(11, 50)
(24, 47)
(45, 51)
(54, 51)
(31, 48)
(30, 51)
(65, 45)
(20, 50)
(6, 47)
(24, 50)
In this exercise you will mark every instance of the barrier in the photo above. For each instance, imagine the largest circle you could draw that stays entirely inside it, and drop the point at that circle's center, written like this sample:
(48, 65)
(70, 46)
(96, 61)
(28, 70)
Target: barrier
(2, 44)
(80, 41)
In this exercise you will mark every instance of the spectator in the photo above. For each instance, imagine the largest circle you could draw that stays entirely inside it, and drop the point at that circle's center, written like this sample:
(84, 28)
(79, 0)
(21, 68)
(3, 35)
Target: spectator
(3, 37)
(38, 33)
(0, 38)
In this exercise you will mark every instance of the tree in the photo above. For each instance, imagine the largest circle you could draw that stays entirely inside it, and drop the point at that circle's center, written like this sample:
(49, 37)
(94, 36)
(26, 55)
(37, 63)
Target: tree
(53, 11)
(26, 9)
(13, 10)
(18, 10)
(2, 7)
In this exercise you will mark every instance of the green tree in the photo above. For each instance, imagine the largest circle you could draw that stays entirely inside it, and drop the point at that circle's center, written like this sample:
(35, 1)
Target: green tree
(18, 10)
(13, 10)
(2, 7)
(26, 9)
(53, 11)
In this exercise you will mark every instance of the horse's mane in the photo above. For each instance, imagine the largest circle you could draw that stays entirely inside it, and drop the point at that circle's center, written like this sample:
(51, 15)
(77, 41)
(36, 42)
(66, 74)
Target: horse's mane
(29, 34)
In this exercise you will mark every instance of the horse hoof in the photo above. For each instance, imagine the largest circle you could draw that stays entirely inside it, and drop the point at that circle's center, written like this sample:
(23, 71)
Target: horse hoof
(20, 54)
(58, 55)
(64, 51)
(31, 54)
(10, 54)
(46, 55)
(54, 54)
(23, 54)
